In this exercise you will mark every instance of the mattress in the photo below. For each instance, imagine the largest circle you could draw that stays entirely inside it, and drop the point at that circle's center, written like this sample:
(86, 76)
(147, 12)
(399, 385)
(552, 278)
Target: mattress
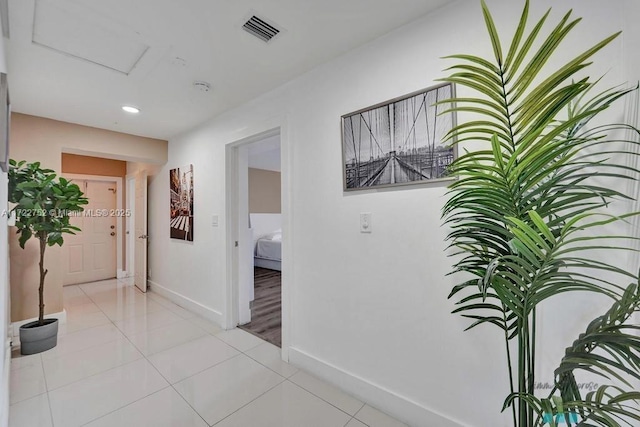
(269, 249)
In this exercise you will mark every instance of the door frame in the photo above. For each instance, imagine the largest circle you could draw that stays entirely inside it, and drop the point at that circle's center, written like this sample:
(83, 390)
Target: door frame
(231, 317)
(119, 235)
(130, 207)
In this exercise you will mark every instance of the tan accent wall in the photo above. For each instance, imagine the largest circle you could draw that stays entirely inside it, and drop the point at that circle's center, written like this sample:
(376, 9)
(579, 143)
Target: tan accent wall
(87, 165)
(264, 191)
(44, 140)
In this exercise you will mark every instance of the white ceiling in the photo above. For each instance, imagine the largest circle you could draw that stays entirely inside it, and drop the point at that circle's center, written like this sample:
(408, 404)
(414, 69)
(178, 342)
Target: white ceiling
(80, 60)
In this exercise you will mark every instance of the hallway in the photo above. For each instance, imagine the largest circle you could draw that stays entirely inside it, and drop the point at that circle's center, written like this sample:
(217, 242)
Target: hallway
(125, 358)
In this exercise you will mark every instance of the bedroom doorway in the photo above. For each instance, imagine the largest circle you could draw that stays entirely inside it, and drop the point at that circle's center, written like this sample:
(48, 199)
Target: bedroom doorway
(257, 258)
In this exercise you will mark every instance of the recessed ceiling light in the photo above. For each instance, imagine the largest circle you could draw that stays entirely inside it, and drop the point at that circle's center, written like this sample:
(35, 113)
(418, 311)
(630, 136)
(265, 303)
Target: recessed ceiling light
(130, 109)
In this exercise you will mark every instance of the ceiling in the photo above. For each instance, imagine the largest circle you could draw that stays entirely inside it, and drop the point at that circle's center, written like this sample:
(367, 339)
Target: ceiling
(79, 61)
(265, 154)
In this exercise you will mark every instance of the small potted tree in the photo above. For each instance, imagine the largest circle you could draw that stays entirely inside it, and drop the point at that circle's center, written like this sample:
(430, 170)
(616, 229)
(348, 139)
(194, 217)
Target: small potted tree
(43, 207)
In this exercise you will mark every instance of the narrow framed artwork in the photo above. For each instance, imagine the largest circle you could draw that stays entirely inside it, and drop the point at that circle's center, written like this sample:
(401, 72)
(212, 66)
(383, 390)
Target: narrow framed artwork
(5, 121)
(399, 142)
(181, 219)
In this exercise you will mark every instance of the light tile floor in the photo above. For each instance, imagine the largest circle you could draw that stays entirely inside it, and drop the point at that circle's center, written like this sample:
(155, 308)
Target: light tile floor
(125, 358)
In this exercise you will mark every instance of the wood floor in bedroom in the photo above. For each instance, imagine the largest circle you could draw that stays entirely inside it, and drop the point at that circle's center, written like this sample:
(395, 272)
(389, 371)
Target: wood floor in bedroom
(266, 312)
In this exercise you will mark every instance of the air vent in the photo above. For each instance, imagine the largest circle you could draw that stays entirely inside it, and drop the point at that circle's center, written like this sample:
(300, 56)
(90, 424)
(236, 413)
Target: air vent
(261, 29)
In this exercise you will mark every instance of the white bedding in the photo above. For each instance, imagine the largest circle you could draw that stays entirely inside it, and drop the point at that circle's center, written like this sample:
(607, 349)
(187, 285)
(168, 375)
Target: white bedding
(267, 237)
(269, 248)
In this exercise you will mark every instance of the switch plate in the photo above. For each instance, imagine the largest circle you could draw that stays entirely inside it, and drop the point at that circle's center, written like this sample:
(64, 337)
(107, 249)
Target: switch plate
(214, 221)
(365, 222)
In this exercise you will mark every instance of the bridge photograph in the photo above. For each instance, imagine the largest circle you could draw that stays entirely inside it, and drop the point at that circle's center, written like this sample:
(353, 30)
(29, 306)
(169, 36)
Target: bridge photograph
(400, 142)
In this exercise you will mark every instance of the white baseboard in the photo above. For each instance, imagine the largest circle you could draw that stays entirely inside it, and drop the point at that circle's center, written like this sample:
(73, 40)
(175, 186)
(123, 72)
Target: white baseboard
(400, 407)
(62, 319)
(121, 274)
(187, 303)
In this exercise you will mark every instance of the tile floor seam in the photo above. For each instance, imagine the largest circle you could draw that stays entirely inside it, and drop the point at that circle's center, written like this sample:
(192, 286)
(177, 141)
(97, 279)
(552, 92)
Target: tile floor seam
(193, 375)
(30, 397)
(360, 410)
(149, 330)
(97, 373)
(122, 407)
(168, 348)
(249, 403)
(131, 317)
(53, 424)
(187, 402)
(87, 348)
(272, 370)
(140, 350)
(323, 399)
(44, 375)
(198, 373)
(243, 352)
(169, 308)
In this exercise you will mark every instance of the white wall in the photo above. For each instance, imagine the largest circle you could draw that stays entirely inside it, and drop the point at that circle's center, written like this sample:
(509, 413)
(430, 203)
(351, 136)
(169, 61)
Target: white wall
(5, 353)
(5, 350)
(368, 312)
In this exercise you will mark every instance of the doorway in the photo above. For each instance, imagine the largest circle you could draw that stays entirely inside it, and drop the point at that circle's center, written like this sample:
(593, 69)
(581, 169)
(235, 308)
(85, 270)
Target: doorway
(256, 228)
(91, 254)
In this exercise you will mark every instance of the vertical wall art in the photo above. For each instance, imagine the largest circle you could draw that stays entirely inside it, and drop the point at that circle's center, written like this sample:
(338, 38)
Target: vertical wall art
(181, 185)
(5, 119)
(399, 142)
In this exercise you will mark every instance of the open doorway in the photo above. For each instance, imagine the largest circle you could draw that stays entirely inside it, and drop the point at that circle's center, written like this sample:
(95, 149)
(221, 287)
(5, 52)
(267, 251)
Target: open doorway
(259, 231)
(98, 251)
(114, 225)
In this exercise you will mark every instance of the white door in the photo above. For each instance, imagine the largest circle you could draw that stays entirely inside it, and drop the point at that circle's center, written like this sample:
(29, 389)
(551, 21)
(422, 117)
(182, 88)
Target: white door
(130, 227)
(140, 227)
(245, 239)
(90, 255)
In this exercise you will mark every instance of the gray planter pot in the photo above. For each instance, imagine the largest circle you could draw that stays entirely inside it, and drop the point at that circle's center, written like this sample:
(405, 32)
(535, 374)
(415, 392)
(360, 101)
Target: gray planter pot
(36, 339)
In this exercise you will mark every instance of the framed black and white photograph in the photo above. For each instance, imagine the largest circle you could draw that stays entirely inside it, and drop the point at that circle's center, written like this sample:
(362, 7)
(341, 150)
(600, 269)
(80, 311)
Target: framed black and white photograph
(399, 142)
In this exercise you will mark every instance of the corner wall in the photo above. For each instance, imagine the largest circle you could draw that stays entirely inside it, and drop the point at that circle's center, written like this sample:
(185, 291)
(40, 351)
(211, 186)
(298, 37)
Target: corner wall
(39, 139)
(368, 312)
(264, 191)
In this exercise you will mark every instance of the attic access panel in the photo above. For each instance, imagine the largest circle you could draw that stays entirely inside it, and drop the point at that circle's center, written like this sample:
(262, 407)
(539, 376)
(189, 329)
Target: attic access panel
(82, 33)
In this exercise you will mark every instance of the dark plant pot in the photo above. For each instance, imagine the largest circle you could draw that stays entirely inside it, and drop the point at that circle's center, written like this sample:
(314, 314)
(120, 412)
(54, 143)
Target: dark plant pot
(36, 339)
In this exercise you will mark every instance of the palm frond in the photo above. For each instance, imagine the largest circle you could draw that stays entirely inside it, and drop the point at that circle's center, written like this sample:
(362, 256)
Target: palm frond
(525, 211)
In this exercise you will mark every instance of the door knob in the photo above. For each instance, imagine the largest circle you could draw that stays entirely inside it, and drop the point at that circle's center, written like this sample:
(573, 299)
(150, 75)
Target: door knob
(113, 226)
(143, 236)
(113, 234)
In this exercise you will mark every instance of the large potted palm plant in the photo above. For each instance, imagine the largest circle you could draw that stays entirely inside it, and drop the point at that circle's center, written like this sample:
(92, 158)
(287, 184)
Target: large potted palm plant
(43, 206)
(529, 223)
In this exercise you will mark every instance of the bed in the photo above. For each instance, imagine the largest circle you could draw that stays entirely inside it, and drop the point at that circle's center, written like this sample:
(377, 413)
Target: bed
(267, 240)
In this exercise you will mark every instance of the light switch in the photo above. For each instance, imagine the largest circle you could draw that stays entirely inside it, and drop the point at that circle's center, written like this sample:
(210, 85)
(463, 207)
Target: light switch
(214, 221)
(365, 222)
